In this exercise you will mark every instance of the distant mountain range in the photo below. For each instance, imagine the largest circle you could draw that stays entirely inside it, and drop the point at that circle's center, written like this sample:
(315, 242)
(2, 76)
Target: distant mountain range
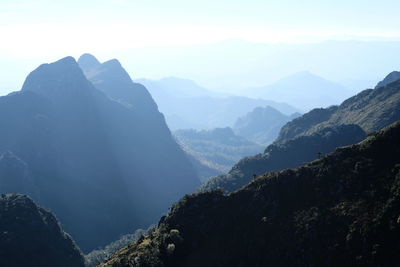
(262, 125)
(178, 87)
(31, 236)
(303, 90)
(371, 109)
(187, 105)
(316, 133)
(290, 154)
(97, 153)
(218, 149)
(340, 210)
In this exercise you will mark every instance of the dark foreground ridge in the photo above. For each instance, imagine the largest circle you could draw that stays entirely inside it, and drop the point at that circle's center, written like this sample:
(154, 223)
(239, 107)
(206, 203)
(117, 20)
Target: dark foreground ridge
(31, 236)
(340, 210)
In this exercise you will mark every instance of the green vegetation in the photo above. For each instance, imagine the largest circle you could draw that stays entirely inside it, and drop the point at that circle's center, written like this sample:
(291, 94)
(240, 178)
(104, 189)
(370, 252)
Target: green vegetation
(317, 133)
(290, 154)
(262, 125)
(340, 210)
(97, 256)
(216, 149)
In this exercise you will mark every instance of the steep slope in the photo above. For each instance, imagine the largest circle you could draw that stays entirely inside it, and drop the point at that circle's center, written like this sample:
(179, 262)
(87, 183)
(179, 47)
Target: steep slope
(303, 90)
(341, 210)
(103, 167)
(112, 79)
(391, 77)
(290, 154)
(372, 109)
(220, 147)
(186, 105)
(262, 125)
(32, 236)
(15, 175)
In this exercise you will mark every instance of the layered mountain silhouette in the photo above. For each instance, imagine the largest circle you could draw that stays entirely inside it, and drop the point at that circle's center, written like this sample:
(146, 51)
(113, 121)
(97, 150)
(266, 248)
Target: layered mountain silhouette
(303, 90)
(102, 158)
(391, 77)
(340, 210)
(316, 133)
(187, 105)
(290, 154)
(32, 236)
(371, 109)
(218, 149)
(262, 125)
(112, 79)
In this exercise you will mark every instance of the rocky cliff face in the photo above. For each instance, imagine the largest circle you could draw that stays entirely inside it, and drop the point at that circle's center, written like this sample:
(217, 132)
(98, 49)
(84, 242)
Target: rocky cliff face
(32, 236)
(104, 167)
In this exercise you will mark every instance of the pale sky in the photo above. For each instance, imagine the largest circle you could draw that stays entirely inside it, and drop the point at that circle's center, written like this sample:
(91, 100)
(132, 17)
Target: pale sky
(37, 31)
(50, 27)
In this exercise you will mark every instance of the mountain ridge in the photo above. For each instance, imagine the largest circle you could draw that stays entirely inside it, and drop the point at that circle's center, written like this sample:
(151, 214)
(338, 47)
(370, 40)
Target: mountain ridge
(88, 154)
(339, 210)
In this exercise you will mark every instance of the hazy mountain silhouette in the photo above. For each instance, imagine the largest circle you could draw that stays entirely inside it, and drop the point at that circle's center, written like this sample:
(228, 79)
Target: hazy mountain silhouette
(303, 90)
(15, 175)
(175, 86)
(103, 167)
(391, 77)
(219, 148)
(341, 210)
(187, 105)
(32, 236)
(112, 79)
(290, 154)
(371, 109)
(316, 133)
(262, 125)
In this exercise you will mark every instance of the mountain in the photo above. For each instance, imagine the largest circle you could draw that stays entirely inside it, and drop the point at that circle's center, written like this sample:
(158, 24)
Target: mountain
(391, 77)
(187, 105)
(371, 109)
(112, 79)
(175, 86)
(15, 176)
(32, 236)
(290, 154)
(303, 90)
(318, 131)
(218, 149)
(262, 125)
(236, 64)
(340, 210)
(104, 167)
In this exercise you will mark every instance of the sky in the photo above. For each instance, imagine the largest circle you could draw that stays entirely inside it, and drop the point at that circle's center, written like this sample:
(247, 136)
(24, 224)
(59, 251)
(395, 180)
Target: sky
(43, 30)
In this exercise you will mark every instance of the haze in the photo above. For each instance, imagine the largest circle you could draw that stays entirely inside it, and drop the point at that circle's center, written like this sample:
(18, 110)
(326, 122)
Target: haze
(201, 40)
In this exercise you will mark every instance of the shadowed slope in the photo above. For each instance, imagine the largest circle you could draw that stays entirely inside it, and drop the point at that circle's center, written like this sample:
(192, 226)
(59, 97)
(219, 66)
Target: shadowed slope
(32, 236)
(341, 210)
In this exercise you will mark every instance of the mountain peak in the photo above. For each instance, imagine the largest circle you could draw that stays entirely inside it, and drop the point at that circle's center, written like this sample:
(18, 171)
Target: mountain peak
(111, 68)
(391, 77)
(112, 63)
(88, 62)
(51, 79)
